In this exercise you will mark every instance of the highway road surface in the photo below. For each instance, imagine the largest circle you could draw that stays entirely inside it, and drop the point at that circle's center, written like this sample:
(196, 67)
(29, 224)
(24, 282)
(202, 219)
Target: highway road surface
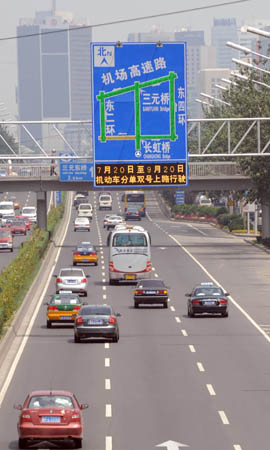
(171, 381)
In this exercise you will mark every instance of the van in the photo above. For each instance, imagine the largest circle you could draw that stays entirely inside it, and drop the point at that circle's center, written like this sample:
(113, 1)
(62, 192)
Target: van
(105, 201)
(85, 210)
(205, 201)
(7, 209)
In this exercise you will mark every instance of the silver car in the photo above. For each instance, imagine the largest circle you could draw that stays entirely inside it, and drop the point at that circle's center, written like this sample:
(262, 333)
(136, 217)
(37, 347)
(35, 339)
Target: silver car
(82, 224)
(72, 279)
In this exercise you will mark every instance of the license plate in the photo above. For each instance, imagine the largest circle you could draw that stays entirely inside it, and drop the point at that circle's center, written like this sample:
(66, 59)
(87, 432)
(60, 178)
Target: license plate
(3, 245)
(85, 260)
(65, 317)
(51, 419)
(95, 322)
(209, 303)
(71, 281)
(130, 277)
(150, 292)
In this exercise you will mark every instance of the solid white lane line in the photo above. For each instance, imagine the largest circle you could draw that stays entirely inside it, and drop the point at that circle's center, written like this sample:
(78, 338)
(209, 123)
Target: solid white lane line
(254, 323)
(106, 345)
(192, 348)
(211, 390)
(108, 384)
(184, 333)
(108, 410)
(31, 323)
(178, 320)
(107, 362)
(224, 418)
(197, 229)
(200, 367)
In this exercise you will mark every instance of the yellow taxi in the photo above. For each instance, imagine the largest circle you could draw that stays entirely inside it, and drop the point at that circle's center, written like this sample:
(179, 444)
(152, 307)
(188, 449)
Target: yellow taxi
(63, 308)
(85, 253)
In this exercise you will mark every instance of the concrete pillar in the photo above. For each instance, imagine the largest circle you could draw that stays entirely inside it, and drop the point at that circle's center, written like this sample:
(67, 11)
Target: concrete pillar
(42, 210)
(265, 221)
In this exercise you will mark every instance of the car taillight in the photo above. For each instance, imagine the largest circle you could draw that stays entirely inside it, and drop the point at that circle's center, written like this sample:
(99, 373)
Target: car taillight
(58, 280)
(53, 308)
(139, 292)
(148, 266)
(223, 301)
(162, 292)
(111, 266)
(76, 417)
(112, 320)
(94, 254)
(195, 302)
(79, 320)
(76, 253)
(84, 280)
(25, 417)
(76, 308)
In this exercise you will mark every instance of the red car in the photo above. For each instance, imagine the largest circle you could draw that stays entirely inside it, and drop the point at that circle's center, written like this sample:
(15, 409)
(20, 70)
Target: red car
(53, 416)
(25, 220)
(18, 227)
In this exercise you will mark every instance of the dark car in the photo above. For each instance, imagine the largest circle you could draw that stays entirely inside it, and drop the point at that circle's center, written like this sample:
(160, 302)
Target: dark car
(53, 416)
(96, 321)
(151, 292)
(207, 298)
(78, 199)
(132, 214)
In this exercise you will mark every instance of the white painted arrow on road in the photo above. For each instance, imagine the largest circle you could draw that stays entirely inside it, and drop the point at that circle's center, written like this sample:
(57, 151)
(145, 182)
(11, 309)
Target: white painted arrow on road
(172, 445)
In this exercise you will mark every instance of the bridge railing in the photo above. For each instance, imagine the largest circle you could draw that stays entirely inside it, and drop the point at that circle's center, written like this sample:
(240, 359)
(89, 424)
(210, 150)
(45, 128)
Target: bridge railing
(214, 169)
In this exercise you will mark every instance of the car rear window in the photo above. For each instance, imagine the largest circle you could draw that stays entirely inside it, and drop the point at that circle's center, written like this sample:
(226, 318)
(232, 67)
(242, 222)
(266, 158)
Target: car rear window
(50, 401)
(208, 291)
(105, 198)
(71, 273)
(29, 210)
(129, 240)
(18, 223)
(96, 310)
(5, 233)
(151, 283)
(65, 300)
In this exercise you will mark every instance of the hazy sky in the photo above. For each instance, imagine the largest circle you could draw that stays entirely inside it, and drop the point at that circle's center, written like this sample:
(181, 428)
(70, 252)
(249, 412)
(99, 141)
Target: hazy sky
(105, 11)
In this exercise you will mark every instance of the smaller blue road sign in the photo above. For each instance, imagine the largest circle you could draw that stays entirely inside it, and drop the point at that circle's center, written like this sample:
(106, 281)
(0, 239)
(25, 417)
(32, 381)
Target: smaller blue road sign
(76, 171)
(180, 197)
(58, 197)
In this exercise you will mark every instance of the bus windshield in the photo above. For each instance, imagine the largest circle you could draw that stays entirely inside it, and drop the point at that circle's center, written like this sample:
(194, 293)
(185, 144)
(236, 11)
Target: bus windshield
(129, 240)
(135, 198)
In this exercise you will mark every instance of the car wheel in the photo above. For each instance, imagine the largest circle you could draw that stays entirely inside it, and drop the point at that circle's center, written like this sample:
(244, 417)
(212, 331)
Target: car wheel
(77, 339)
(25, 233)
(74, 264)
(96, 263)
(190, 314)
(22, 443)
(77, 443)
(49, 324)
(136, 305)
(115, 338)
(111, 282)
(225, 314)
(165, 304)
(11, 250)
(75, 229)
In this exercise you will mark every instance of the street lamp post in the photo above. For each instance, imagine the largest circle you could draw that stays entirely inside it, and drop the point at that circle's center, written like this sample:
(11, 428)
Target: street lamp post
(245, 50)
(214, 98)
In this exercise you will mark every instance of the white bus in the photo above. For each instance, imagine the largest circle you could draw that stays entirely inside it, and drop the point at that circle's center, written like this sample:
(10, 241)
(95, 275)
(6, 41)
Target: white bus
(129, 254)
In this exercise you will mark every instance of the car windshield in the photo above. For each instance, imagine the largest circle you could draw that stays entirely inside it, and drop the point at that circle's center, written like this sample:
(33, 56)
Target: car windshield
(29, 210)
(129, 240)
(71, 273)
(96, 310)
(7, 206)
(83, 206)
(4, 233)
(105, 198)
(82, 220)
(50, 401)
(208, 291)
(65, 300)
(151, 283)
(84, 248)
(18, 224)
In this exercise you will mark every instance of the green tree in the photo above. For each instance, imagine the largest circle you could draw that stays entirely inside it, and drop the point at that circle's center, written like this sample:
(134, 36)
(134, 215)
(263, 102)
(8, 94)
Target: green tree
(6, 136)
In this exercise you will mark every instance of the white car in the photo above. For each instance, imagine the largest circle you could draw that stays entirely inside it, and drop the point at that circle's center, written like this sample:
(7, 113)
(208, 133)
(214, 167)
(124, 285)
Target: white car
(85, 210)
(114, 220)
(73, 280)
(30, 212)
(82, 224)
(105, 201)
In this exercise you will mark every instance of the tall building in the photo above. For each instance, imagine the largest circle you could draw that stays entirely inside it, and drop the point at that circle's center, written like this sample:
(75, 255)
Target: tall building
(224, 30)
(53, 70)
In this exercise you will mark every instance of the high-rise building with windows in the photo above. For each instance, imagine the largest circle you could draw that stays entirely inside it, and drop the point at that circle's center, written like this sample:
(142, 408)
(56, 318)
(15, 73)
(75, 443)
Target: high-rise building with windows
(224, 30)
(53, 70)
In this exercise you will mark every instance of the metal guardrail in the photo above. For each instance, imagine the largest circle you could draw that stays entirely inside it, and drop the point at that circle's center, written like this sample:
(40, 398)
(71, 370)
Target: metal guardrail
(196, 169)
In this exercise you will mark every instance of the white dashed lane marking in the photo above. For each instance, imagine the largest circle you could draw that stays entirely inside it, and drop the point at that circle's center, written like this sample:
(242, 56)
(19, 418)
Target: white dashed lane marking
(211, 390)
(108, 443)
(172, 308)
(108, 410)
(184, 333)
(107, 384)
(178, 320)
(192, 348)
(106, 345)
(107, 362)
(200, 367)
(224, 418)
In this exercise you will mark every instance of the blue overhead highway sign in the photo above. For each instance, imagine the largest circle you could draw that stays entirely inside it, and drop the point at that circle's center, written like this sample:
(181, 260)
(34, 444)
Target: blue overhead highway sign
(139, 114)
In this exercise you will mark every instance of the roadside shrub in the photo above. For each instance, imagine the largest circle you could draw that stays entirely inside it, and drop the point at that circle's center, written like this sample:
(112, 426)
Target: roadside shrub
(18, 276)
